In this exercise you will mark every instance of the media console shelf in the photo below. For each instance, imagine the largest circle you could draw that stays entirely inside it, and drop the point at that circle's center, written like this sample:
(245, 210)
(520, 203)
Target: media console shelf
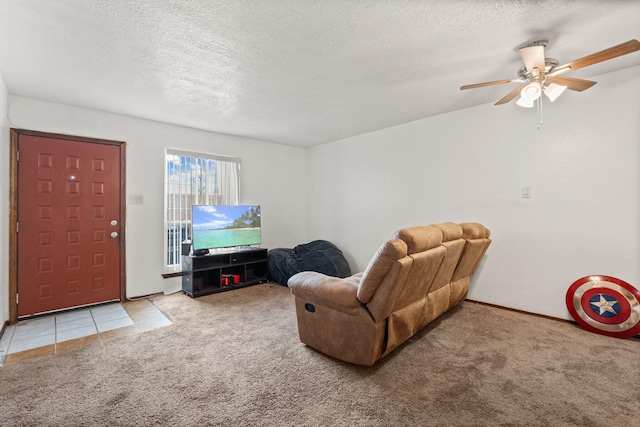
(225, 271)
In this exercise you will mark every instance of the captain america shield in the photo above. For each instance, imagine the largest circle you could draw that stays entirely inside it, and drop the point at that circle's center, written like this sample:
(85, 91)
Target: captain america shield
(605, 305)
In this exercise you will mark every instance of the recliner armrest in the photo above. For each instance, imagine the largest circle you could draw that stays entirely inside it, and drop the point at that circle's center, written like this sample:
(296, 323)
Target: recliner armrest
(327, 290)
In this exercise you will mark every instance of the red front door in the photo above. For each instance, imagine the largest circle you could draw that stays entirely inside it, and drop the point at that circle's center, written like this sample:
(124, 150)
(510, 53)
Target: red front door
(68, 223)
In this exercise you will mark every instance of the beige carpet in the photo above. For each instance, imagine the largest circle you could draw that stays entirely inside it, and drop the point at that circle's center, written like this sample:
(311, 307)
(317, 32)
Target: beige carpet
(234, 359)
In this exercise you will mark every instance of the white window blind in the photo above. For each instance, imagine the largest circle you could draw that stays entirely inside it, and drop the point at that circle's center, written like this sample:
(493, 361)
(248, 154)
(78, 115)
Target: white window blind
(194, 179)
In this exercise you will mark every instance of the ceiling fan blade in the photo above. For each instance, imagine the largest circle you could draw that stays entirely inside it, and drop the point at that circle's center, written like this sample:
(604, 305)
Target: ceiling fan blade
(497, 82)
(533, 57)
(604, 55)
(572, 83)
(510, 96)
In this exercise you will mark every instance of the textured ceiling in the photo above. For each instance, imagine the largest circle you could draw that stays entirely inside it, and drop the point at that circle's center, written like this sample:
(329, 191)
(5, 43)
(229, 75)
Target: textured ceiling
(296, 72)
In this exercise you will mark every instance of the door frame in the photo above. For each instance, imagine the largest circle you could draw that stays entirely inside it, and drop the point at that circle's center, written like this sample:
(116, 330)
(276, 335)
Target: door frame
(13, 210)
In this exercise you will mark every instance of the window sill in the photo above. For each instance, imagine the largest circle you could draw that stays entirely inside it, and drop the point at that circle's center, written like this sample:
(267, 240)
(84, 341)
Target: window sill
(169, 275)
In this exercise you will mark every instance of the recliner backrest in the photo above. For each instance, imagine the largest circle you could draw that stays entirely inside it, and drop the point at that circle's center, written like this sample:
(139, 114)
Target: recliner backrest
(477, 242)
(453, 241)
(388, 267)
(424, 246)
(381, 263)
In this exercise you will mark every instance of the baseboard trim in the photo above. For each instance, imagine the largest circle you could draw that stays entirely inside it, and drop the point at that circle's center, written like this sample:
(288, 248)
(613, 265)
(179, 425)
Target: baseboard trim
(522, 311)
(147, 296)
(4, 327)
(558, 319)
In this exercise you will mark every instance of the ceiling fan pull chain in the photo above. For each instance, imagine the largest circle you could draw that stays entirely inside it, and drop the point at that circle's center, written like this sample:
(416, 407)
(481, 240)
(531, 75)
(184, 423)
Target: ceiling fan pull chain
(540, 122)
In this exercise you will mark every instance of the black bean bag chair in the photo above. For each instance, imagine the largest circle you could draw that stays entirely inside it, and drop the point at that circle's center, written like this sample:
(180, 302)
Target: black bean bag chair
(320, 255)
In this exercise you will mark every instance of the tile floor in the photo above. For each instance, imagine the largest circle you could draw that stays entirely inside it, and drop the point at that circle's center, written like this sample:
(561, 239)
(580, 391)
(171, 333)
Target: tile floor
(58, 332)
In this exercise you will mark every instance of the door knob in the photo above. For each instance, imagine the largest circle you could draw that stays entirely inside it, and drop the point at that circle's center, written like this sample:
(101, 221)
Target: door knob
(114, 234)
(114, 222)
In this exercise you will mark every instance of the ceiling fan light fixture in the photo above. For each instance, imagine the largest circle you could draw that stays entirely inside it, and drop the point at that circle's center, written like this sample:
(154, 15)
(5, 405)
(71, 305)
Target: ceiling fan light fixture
(531, 91)
(553, 91)
(525, 102)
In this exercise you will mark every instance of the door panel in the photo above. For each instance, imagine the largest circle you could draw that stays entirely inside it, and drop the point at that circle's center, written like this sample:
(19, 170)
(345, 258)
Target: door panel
(68, 207)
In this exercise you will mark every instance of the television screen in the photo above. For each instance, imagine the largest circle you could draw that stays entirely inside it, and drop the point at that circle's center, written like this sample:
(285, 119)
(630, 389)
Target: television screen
(225, 226)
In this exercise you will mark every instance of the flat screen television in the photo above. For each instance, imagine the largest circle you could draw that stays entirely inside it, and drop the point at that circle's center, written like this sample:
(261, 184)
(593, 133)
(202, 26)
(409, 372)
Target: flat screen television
(218, 226)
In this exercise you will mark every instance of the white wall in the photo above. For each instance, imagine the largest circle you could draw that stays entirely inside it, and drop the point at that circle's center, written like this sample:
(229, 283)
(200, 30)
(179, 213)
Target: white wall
(470, 165)
(269, 177)
(4, 209)
(582, 166)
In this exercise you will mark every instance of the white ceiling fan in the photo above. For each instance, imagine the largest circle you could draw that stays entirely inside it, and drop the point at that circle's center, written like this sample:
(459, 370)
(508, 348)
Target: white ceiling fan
(543, 75)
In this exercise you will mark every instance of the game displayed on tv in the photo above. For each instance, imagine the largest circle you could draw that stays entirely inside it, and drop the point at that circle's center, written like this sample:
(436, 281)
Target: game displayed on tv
(218, 226)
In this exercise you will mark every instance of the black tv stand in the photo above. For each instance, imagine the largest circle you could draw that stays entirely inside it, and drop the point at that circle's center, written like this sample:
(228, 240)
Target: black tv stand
(223, 271)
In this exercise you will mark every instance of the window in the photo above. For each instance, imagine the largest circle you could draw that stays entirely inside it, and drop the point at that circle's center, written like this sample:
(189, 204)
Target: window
(194, 179)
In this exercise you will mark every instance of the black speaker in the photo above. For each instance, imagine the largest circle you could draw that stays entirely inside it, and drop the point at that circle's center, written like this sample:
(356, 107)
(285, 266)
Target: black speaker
(186, 247)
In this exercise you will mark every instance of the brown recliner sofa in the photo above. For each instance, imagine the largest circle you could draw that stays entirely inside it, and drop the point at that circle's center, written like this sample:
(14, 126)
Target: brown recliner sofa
(412, 279)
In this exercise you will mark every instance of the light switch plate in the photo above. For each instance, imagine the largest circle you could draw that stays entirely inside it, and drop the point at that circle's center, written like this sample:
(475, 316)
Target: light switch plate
(136, 199)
